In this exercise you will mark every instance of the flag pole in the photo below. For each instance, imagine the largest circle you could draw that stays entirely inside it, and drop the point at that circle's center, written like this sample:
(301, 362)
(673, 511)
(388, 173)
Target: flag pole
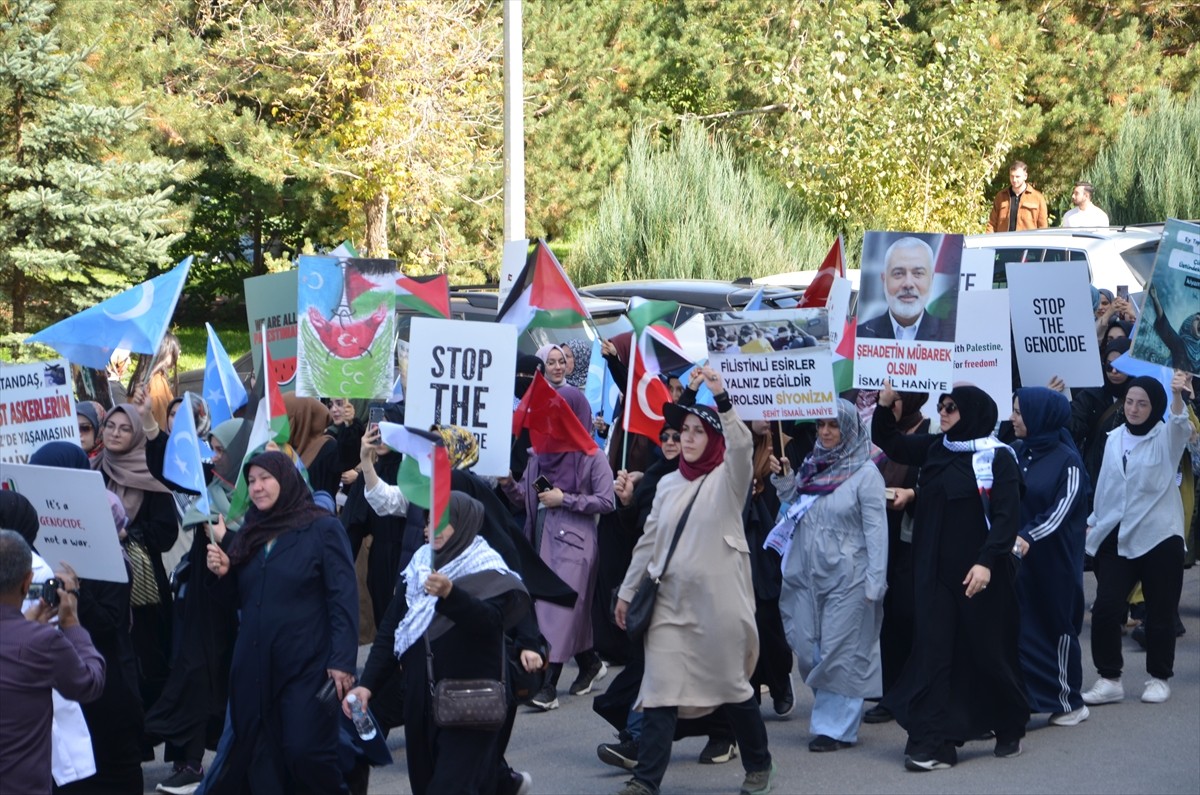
(629, 395)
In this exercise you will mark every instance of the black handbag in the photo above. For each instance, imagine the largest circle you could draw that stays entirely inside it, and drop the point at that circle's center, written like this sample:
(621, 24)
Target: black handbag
(641, 606)
(468, 703)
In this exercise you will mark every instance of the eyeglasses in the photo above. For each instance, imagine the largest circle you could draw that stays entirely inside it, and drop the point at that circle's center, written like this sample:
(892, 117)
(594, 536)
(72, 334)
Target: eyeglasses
(85, 428)
(669, 437)
(947, 407)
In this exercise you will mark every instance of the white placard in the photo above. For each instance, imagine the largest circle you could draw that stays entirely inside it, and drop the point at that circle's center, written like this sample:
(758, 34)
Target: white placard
(1053, 324)
(74, 518)
(460, 372)
(838, 305)
(37, 405)
(776, 362)
(977, 271)
(981, 352)
(512, 259)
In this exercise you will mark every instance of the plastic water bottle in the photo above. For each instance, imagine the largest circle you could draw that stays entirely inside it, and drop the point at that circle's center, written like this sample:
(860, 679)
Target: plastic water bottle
(362, 721)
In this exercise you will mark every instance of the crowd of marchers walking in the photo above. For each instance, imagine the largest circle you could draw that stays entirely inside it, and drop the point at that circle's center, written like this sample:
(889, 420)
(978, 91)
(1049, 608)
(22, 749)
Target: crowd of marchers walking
(929, 572)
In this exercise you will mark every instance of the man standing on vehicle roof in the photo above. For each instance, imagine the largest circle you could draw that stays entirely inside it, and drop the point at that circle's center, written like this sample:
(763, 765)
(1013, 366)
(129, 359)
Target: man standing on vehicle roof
(1019, 206)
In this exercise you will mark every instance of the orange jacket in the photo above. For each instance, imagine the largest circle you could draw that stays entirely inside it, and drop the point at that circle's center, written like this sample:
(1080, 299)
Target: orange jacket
(1033, 213)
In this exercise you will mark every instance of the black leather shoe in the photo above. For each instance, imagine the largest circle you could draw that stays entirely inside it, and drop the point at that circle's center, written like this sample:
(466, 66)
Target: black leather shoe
(878, 714)
(822, 743)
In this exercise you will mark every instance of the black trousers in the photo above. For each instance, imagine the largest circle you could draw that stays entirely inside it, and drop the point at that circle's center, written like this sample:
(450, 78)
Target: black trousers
(658, 732)
(774, 655)
(1161, 573)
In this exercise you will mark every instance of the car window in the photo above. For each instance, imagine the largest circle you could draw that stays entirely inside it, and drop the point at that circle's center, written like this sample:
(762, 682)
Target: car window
(1007, 255)
(1140, 260)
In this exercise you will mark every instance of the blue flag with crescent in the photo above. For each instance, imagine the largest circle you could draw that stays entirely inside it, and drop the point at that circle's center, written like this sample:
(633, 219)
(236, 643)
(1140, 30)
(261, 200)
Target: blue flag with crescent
(223, 390)
(182, 464)
(135, 320)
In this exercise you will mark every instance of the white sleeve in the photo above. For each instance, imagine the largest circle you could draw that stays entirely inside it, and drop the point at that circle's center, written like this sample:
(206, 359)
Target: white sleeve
(386, 500)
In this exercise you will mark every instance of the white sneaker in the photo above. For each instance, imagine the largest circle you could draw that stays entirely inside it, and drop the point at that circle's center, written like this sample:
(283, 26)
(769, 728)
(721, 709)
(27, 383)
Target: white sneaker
(1157, 691)
(1105, 691)
(1072, 718)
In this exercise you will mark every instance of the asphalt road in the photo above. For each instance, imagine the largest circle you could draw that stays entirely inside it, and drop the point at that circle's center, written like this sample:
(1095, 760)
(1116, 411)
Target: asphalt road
(1129, 747)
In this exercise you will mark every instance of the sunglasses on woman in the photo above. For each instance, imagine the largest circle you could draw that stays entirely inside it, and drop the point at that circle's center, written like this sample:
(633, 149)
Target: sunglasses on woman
(669, 437)
(947, 407)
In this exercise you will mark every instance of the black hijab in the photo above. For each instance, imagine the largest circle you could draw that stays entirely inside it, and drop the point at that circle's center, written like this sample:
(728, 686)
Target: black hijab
(64, 455)
(527, 365)
(466, 517)
(977, 413)
(293, 509)
(1158, 404)
(1119, 345)
(17, 513)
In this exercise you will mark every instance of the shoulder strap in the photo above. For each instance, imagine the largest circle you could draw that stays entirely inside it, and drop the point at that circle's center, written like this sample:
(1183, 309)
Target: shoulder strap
(679, 529)
(503, 660)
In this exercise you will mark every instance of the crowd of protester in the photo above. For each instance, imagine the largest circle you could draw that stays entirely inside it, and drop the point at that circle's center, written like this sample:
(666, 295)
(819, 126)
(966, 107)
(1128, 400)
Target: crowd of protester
(930, 574)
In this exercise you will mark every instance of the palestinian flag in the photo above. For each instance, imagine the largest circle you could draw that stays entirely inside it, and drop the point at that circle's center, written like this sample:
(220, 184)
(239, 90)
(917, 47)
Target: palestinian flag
(542, 295)
(946, 269)
(642, 314)
(843, 359)
(816, 295)
(275, 411)
(429, 295)
(552, 425)
(424, 476)
(645, 395)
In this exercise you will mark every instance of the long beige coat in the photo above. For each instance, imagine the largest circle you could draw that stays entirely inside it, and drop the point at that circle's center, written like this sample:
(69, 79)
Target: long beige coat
(702, 644)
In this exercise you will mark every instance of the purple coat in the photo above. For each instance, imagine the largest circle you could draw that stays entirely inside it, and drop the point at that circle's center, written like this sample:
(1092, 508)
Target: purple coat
(569, 547)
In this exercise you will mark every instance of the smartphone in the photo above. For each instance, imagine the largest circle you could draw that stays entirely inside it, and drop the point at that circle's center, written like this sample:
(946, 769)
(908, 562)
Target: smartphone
(541, 484)
(375, 415)
(1123, 291)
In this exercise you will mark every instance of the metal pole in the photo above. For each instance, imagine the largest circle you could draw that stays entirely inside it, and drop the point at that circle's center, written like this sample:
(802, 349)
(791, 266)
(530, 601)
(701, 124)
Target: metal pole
(514, 123)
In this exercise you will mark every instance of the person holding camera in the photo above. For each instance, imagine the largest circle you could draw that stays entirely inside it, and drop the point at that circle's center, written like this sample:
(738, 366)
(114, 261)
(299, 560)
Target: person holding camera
(36, 657)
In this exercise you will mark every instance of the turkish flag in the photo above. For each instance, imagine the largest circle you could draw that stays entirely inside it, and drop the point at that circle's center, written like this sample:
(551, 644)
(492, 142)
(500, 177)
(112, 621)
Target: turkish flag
(552, 425)
(816, 295)
(644, 398)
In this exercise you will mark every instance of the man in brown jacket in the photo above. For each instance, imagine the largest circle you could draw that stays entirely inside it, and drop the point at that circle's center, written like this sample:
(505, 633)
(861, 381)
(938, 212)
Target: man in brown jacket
(1020, 206)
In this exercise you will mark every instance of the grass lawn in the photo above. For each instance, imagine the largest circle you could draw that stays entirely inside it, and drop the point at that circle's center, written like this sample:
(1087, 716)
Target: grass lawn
(194, 342)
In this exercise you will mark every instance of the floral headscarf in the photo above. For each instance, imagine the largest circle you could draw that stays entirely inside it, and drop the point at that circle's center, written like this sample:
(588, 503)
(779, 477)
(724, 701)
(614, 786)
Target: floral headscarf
(582, 350)
(462, 448)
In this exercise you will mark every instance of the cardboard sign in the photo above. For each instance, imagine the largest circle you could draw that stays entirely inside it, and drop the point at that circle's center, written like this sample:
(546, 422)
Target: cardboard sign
(977, 270)
(37, 406)
(460, 372)
(271, 309)
(776, 362)
(1053, 324)
(346, 327)
(75, 521)
(1168, 333)
(981, 352)
(907, 310)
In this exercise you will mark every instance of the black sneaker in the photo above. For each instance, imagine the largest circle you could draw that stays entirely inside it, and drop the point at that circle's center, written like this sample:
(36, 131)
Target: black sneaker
(823, 742)
(546, 699)
(923, 763)
(588, 677)
(1007, 750)
(718, 752)
(878, 714)
(785, 702)
(184, 781)
(623, 754)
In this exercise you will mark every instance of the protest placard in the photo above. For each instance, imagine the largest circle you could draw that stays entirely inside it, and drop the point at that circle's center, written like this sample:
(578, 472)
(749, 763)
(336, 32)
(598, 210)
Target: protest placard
(271, 308)
(981, 350)
(460, 372)
(346, 324)
(1168, 333)
(977, 270)
(75, 523)
(907, 307)
(512, 260)
(38, 406)
(776, 362)
(1053, 324)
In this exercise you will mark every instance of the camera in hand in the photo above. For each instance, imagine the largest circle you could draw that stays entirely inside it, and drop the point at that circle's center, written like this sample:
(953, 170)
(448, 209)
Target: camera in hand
(47, 591)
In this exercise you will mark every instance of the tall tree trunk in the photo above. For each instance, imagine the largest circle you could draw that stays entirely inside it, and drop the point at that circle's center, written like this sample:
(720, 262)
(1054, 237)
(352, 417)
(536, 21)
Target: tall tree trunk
(259, 266)
(18, 289)
(376, 243)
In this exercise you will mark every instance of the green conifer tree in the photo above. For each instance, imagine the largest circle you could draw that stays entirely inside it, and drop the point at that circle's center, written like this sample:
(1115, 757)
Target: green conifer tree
(78, 221)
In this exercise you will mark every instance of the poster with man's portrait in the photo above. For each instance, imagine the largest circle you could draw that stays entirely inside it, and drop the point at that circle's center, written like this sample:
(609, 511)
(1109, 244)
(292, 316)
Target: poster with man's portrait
(907, 311)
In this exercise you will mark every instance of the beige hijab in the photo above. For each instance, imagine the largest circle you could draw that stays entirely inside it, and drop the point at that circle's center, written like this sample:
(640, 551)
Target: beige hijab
(127, 474)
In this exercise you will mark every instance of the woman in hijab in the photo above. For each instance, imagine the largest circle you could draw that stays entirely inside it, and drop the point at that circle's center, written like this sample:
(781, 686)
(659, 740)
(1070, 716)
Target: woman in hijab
(963, 678)
(561, 522)
(1135, 532)
(835, 573)
(458, 597)
(289, 572)
(91, 420)
(556, 368)
(701, 646)
(1050, 582)
(133, 472)
(1096, 411)
(900, 482)
(115, 719)
(579, 356)
(308, 418)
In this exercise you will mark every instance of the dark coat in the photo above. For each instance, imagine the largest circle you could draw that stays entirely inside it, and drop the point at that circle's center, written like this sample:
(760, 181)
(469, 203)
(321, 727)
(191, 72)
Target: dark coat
(299, 617)
(963, 677)
(930, 330)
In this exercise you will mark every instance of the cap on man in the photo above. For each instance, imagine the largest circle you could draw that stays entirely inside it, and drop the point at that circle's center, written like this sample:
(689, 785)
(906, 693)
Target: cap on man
(1019, 206)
